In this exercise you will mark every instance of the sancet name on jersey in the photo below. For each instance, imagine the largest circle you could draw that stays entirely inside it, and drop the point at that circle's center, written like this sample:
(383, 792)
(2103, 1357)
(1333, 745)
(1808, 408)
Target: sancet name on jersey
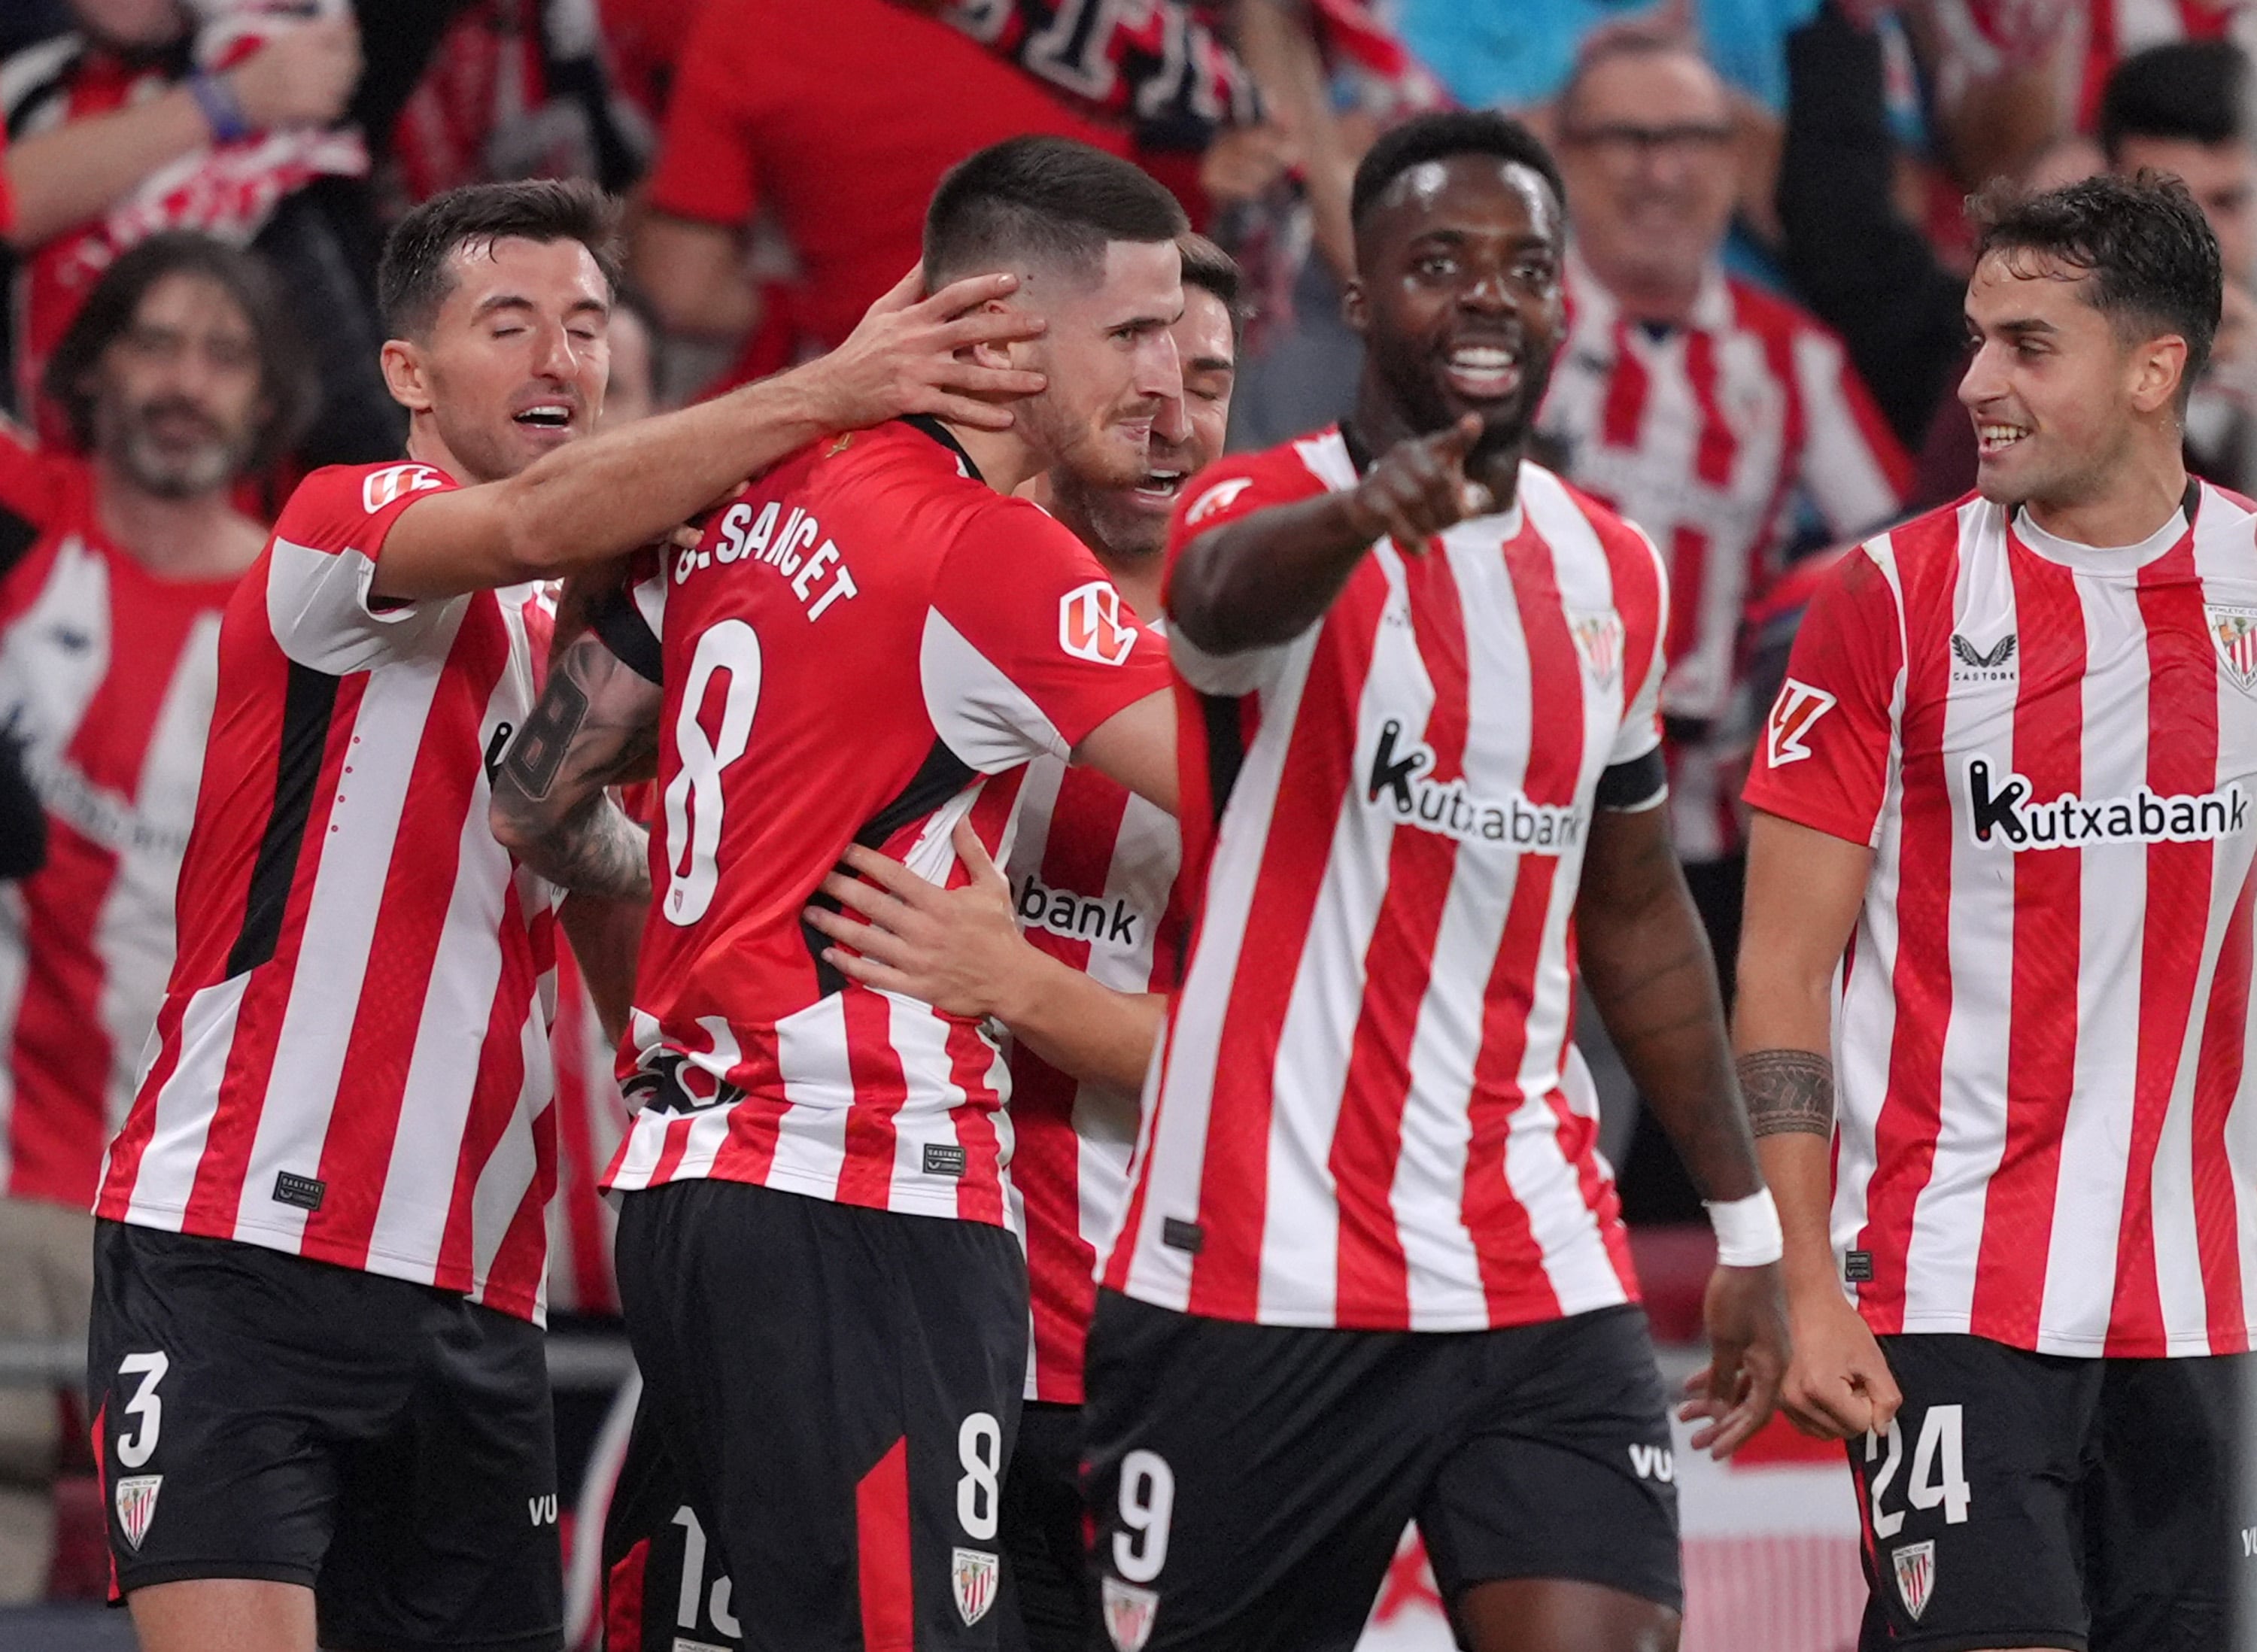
(791, 549)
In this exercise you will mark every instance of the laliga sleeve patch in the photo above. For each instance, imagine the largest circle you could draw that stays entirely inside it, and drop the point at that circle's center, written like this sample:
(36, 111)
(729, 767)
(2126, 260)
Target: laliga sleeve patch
(1091, 627)
(380, 488)
(1793, 715)
(1216, 499)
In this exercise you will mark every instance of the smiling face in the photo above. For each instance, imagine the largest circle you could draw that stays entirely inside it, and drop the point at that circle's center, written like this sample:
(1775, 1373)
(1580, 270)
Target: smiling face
(515, 360)
(177, 396)
(1110, 359)
(1457, 294)
(1132, 521)
(2056, 390)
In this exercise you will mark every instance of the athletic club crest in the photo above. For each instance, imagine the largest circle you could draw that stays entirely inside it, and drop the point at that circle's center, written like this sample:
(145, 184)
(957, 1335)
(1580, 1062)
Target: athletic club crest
(1915, 1570)
(974, 1574)
(2234, 631)
(1128, 1613)
(1599, 639)
(136, 1501)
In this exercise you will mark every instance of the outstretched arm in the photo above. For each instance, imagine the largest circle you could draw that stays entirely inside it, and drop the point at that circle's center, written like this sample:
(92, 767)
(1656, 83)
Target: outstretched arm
(594, 498)
(1647, 962)
(595, 726)
(1804, 891)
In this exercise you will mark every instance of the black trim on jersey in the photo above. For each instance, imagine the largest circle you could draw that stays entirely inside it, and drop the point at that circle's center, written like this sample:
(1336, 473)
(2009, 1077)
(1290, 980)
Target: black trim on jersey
(2191, 501)
(621, 628)
(1226, 747)
(1637, 784)
(307, 706)
(940, 433)
(941, 776)
(18, 535)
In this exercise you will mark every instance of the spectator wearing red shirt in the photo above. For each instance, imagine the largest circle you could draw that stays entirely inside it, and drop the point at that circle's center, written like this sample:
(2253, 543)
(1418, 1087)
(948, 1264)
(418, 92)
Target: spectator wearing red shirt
(836, 121)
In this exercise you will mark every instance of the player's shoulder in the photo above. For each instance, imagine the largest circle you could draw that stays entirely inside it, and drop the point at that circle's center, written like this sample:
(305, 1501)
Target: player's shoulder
(339, 496)
(1552, 503)
(1298, 469)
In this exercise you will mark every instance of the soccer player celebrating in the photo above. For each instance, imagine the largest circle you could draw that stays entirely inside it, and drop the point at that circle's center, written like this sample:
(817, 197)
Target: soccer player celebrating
(315, 1363)
(1071, 946)
(1372, 1267)
(2004, 797)
(816, 1248)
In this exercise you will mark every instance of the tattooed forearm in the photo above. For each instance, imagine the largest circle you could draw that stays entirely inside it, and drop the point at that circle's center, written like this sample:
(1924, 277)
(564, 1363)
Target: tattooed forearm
(1789, 1090)
(600, 852)
(595, 726)
(537, 752)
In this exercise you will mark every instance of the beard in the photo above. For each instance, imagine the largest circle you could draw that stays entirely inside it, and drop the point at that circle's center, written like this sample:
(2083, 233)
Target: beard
(168, 467)
(1072, 448)
(1101, 518)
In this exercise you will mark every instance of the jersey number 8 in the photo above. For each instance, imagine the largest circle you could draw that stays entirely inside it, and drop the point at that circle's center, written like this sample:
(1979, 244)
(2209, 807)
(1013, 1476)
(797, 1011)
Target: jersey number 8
(693, 797)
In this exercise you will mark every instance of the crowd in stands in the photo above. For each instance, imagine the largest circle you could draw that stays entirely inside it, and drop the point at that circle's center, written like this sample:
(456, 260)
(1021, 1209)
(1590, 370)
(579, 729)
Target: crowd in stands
(1764, 330)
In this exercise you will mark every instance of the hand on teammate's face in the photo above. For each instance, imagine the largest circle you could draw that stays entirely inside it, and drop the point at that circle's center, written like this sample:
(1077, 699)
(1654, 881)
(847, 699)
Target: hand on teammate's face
(951, 948)
(1418, 488)
(1735, 1393)
(1838, 1385)
(909, 355)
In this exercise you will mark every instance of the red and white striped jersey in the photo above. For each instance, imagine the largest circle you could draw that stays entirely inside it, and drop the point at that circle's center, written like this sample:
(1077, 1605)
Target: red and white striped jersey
(592, 1121)
(1092, 872)
(107, 674)
(868, 647)
(1367, 1111)
(2041, 1047)
(1709, 436)
(351, 1062)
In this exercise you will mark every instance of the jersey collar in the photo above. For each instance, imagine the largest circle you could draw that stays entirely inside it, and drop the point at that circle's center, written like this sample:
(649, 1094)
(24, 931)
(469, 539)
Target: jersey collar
(940, 433)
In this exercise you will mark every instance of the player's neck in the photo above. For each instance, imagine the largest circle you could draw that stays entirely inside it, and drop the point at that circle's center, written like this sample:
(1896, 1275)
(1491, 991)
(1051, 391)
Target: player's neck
(2142, 499)
(201, 536)
(427, 446)
(1137, 574)
(1003, 457)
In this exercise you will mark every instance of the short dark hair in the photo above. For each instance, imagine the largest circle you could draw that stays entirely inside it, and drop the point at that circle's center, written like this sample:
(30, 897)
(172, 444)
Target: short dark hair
(2190, 90)
(1209, 268)
(1439, 137)
(2150, 252)
(412, 280)
(1046, 198)
(285, 376)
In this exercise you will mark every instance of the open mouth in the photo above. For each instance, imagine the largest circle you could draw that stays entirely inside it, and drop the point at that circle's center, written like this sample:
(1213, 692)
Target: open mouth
(1482, 372)
(1159, 489)
(1992, 437)
(545, 415)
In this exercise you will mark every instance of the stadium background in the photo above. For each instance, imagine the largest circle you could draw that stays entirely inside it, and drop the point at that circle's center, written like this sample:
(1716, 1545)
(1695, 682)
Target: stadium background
(777, 155)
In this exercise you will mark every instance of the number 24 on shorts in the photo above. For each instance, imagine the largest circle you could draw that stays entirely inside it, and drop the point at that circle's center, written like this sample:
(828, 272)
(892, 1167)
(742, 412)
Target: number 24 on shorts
(1939, 1470)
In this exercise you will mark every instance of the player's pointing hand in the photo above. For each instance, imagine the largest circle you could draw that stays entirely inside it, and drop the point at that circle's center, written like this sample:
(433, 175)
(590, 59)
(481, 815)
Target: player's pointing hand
(914, 355)
(1736, 1393)
(1418, 487)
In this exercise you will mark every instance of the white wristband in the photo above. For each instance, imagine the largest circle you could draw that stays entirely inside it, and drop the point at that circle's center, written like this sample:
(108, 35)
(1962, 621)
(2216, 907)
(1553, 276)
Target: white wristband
(1747, 1231)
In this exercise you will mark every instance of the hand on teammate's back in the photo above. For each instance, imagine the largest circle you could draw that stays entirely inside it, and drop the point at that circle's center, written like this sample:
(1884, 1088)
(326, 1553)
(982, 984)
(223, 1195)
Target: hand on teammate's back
(955, 948)
(904, 358)
(1745, 1313)
(1418, 487)
(1838, 1384)
(304, 77)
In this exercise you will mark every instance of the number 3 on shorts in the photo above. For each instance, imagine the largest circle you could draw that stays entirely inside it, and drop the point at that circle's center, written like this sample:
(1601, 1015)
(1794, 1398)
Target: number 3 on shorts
(144, 1408)
(1147, 1503)
(1939, 1470)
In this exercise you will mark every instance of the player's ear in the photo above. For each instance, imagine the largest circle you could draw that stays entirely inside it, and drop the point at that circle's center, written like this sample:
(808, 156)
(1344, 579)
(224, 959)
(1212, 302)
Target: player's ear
(1008, 357)
(1355, 309)
(2158, 367)
(404, 375)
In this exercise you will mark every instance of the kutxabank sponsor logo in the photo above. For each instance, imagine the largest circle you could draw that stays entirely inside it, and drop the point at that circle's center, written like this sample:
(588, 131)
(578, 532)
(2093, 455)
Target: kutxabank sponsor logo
(1398, 783)
(2003, 814)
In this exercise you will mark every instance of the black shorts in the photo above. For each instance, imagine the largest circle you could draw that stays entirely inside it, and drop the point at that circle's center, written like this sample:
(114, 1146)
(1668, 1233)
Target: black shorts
(2028, 1500)
(1250, 1483)
(665, 1589)
(388, 1445)
(840, 1389)
(1050, 1599)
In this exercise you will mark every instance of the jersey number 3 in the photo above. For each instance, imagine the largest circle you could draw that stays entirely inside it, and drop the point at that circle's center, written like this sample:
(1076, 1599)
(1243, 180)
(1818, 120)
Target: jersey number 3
(731, 651)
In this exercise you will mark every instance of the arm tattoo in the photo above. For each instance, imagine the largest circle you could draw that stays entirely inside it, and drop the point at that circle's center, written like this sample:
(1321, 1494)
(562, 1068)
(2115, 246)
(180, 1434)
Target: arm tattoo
(1789, 1090)
(538, 751)
(595, 725)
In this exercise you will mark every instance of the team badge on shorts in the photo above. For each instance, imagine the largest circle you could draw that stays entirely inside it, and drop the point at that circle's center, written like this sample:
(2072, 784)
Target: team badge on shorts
(136, 1501)
(1915, 1570)
(974, 1572)
(2234, 630)
(1129, 1614)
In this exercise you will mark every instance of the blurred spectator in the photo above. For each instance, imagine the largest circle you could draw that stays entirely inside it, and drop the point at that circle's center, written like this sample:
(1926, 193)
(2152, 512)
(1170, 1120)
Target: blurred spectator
(176, 376)
(22, 823)
(1701, 407)
(836, 120)
(158, 114)
(2117, 29)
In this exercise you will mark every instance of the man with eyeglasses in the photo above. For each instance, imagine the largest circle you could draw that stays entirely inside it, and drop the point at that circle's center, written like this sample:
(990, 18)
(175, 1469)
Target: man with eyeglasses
(1701, 407)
